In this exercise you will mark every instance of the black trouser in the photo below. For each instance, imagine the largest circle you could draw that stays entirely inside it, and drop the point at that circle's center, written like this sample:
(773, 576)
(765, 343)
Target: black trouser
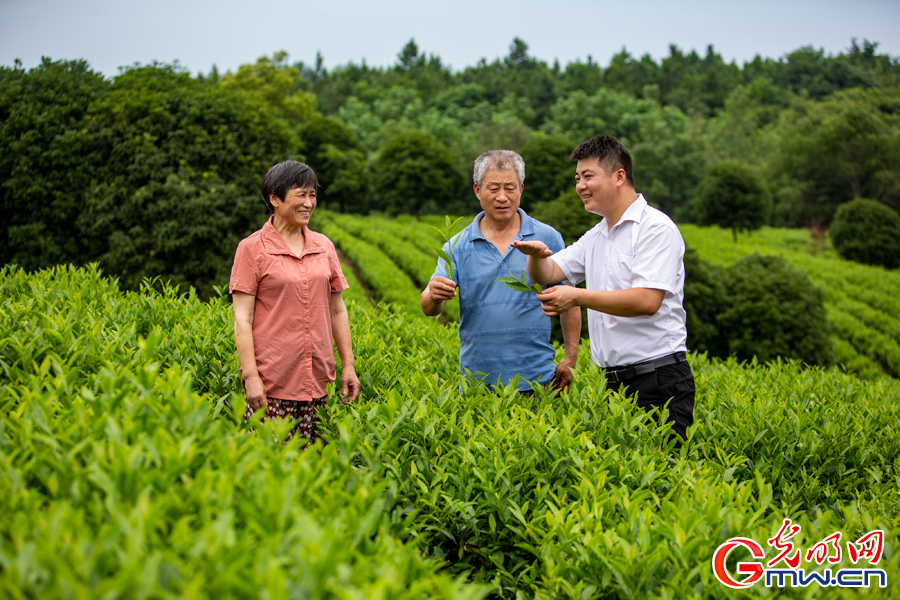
(656, 389)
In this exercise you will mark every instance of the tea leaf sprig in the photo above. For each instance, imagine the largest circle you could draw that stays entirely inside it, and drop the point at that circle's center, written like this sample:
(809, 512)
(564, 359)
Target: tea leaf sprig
(447, 234)
(520, 285)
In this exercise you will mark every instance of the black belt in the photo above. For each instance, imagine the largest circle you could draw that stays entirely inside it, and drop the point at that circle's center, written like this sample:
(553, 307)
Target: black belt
(617, 374)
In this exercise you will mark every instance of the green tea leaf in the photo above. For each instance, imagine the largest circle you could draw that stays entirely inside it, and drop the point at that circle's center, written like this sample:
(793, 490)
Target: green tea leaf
(448, 264)
(520, 285)
(448, 235)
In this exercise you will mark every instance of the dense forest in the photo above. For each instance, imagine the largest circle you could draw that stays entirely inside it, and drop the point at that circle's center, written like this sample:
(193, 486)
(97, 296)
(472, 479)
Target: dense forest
(155, 172)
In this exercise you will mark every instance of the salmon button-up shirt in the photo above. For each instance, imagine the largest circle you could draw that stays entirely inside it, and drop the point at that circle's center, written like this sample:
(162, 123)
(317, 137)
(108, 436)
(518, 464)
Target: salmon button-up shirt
(292, 336)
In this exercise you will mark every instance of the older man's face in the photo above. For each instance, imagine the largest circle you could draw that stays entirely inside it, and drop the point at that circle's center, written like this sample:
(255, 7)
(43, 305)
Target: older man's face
(499, 195)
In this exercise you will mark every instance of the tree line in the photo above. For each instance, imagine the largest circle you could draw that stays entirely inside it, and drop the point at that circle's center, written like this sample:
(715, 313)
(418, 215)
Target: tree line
(155, 172)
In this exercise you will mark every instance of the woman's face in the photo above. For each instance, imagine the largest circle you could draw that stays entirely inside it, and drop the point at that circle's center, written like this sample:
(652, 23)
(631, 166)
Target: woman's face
(296, 208)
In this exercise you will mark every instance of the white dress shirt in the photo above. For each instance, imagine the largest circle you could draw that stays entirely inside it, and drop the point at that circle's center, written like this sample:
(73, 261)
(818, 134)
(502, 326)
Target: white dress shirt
(643, 250)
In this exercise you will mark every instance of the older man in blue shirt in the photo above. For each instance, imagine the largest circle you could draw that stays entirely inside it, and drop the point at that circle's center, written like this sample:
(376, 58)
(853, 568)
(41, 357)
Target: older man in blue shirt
(503, 333)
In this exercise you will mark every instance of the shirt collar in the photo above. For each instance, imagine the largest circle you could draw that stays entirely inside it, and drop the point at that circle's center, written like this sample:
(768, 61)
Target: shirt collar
(526, 225)
(633, 213)
(275, 244)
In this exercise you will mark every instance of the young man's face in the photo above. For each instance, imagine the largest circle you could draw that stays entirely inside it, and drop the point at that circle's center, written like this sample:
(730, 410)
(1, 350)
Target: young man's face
(595, 186)
(499, 194)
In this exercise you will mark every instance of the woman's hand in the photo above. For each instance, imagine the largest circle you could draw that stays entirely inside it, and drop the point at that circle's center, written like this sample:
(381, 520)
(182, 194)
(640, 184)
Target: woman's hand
(340, 330)
(254, 390)
(349, 385)
(255, 393)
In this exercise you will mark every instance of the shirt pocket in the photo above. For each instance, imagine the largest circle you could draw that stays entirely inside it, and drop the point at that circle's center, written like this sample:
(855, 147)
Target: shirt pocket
(620, 273)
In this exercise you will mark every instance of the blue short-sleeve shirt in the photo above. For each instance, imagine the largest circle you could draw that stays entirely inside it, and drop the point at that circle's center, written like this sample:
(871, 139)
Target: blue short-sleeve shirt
(502, 332)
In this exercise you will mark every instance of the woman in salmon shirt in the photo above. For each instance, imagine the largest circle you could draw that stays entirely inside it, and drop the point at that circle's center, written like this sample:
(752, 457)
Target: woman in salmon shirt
(286, 284)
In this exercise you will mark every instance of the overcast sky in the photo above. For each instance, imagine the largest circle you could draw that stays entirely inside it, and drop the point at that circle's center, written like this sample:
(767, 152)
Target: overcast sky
(228, 33)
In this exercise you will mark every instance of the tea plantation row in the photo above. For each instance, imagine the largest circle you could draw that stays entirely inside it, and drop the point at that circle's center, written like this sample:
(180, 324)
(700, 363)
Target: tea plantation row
(861, 300)
(125, 473)
(396, 257)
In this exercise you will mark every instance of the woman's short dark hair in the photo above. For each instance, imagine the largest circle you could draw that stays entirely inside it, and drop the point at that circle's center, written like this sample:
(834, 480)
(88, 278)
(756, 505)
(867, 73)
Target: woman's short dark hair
(609, 152)
(285, 176)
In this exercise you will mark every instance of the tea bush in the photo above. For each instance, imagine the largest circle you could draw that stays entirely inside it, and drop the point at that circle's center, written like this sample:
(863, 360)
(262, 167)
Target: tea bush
(758, 308)
(126, 474)
(415, 263)
(577, 496)
(870, 294)
(120, 479)
(418, 232)
(355, 292)
(853, 362)
(406, 245)
(865, 338)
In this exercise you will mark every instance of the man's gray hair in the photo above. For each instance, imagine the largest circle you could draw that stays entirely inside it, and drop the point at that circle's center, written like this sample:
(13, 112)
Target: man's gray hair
(501, 160)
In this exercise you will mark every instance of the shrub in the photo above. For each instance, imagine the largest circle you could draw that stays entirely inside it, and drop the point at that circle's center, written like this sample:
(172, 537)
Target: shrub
(173, 499)
(704, 300)
(866, 340)
(866, 231)
(566, 214)
(873, 290)
(413, 262)
(733, 196)
(332, 148)
(774, 311)
(412, 169)
(44, 170)
(548, 170)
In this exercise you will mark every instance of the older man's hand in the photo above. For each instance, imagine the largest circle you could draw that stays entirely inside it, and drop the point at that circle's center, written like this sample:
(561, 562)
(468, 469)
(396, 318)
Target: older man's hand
(534, 248)
(563, 376)
(441, 289)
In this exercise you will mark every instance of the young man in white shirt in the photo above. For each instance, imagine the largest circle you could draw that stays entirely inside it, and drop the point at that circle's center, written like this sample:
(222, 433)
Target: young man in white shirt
(632, 263)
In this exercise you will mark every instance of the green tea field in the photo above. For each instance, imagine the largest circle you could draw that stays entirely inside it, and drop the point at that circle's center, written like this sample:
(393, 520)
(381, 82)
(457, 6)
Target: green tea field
(127, 471)
(130, 173)
(861, 301)
(396, 258)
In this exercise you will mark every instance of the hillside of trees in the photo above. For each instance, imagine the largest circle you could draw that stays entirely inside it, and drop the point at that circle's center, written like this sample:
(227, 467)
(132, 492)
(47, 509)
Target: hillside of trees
(155, 172)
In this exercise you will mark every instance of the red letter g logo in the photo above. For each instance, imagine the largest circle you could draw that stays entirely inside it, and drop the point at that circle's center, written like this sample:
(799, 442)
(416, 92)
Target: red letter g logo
(753, 569)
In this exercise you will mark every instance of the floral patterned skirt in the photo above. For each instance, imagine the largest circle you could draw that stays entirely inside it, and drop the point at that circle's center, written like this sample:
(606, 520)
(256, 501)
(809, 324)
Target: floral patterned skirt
(303, 414)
